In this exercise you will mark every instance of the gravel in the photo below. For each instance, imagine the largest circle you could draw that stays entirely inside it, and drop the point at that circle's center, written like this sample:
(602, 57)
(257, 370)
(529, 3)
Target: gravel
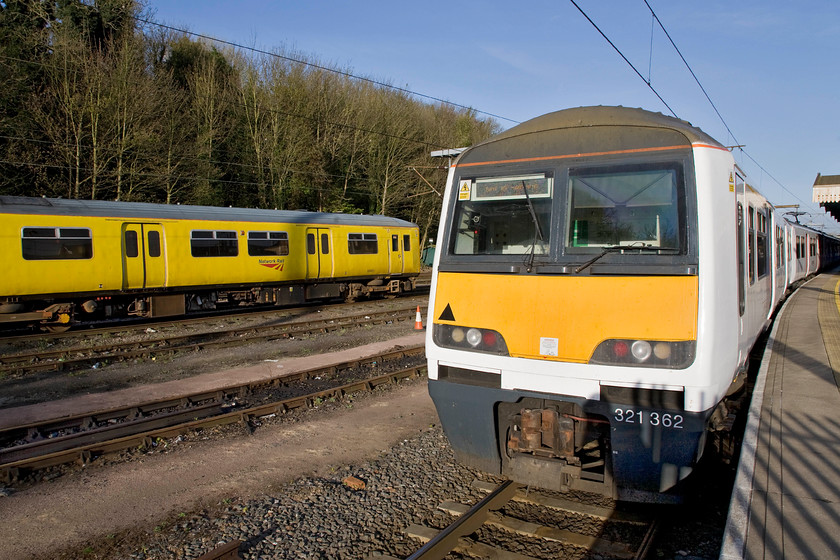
(360, 510)
(321, 517)
(349, 510)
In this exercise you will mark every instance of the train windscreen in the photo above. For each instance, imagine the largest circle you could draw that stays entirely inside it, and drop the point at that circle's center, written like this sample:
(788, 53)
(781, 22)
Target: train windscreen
(633, 206)
(503, 215)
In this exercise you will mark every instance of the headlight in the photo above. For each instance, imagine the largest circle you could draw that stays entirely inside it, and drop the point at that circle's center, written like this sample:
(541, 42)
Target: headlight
(474, 337)
(645, 353)
(641, 350)
(469, 338)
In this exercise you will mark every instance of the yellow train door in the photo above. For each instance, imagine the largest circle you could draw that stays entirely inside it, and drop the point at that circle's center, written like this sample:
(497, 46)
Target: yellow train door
(396, 260)
(144, 261)
(318, 254)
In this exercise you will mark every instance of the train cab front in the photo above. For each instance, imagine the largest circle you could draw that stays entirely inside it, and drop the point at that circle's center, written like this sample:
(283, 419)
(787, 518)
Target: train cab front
(564, 311)
(564, 425)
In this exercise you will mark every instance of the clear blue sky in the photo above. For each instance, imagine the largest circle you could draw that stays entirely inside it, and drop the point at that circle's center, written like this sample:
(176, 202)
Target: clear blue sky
(771, 67)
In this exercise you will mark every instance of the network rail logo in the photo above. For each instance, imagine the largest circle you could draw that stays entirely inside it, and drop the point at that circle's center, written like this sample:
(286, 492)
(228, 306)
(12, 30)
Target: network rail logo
(276, 264)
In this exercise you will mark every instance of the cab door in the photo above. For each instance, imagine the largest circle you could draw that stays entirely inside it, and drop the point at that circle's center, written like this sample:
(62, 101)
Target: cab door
(318, 253)
(396, 259)
(144, 259)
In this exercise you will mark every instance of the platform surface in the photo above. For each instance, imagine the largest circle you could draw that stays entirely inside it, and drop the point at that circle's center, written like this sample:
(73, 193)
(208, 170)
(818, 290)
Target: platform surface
(786, 499)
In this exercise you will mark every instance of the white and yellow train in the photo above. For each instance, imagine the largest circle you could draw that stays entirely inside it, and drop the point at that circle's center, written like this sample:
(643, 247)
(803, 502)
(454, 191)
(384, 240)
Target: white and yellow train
(71, 261)
(601, 276)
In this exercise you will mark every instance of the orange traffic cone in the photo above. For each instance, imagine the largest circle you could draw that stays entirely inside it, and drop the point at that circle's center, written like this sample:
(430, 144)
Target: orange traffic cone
(418, 322)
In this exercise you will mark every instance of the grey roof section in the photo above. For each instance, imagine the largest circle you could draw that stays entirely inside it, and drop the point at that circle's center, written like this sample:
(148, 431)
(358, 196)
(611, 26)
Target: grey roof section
(148, 211)
(600, 117)
(607, 116)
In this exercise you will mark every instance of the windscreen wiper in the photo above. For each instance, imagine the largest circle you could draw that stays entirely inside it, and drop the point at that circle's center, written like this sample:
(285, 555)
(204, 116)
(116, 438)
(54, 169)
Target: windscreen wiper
(539, 233)
(599, 256)
(538, 230)
(637, 246)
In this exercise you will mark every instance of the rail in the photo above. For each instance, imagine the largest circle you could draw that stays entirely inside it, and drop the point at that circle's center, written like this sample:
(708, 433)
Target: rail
(92, 434)
(70, 359)
(461, 535)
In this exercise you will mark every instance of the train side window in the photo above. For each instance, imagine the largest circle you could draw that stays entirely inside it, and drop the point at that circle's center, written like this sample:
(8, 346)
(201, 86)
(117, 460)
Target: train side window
(761, 243)
(325, 244)
(395, 242)
(153, 243)
(132, 249)
(780, 247)
(362, 244)
(268, 243)
(751, 244)
(311, 248)
(741, 267)
(211, 243)
(50, 243)
(406, 243)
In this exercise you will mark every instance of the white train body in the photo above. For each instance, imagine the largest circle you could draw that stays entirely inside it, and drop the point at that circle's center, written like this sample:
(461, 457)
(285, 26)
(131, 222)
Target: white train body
(567, 357)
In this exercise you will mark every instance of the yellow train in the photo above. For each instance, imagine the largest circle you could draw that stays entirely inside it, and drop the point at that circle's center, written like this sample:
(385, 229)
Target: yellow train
(73, 261)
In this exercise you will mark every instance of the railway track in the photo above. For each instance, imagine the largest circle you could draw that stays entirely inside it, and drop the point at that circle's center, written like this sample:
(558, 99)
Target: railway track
(97, 355)
(487, 529)
(11, 336)
(28, 448)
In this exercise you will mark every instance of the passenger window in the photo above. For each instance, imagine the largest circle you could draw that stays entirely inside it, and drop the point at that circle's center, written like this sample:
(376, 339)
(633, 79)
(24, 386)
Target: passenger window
(406, 243)
(131, 248)
(310, 244)
(761, 244)
(362, 244)
(154, 243)
(209, 243)
(751, 245)
(395, 242)
(51, 243)
(325, 244)
(268, 243)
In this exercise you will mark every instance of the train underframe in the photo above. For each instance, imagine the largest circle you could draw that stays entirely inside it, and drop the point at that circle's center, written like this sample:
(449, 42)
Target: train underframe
(58, 313)
(640, 449)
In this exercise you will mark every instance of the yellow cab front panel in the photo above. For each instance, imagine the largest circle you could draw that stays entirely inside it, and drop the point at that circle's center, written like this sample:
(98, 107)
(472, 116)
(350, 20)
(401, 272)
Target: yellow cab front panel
(579, 312)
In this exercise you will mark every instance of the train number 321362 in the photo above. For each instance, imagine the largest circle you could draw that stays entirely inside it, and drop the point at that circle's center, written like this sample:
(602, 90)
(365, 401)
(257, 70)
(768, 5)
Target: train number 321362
(653, 418)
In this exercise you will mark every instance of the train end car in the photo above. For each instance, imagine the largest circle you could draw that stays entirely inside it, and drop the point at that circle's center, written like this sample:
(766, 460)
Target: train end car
(601, 276)
(78, 261)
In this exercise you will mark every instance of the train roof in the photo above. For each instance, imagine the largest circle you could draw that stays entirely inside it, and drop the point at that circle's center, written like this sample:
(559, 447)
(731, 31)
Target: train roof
(595, 127)
(149, 211)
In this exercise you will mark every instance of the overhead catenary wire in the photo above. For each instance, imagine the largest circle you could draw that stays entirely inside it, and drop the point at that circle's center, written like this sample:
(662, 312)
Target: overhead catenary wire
(621, 54)
(350, 75)
(714, 107)
(696, 79)
(324, 68)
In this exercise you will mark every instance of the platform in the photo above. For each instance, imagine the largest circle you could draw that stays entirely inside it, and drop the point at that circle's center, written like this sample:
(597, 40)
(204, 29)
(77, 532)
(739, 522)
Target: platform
(786, 499)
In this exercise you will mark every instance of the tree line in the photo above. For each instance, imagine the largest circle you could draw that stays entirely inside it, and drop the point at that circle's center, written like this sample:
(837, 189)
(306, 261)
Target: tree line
(100, 103)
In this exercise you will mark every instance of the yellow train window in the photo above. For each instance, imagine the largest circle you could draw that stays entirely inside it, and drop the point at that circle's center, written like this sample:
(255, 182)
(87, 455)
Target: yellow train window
(210, 243)
(362, 244)
(268, 243)
(55, 243)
